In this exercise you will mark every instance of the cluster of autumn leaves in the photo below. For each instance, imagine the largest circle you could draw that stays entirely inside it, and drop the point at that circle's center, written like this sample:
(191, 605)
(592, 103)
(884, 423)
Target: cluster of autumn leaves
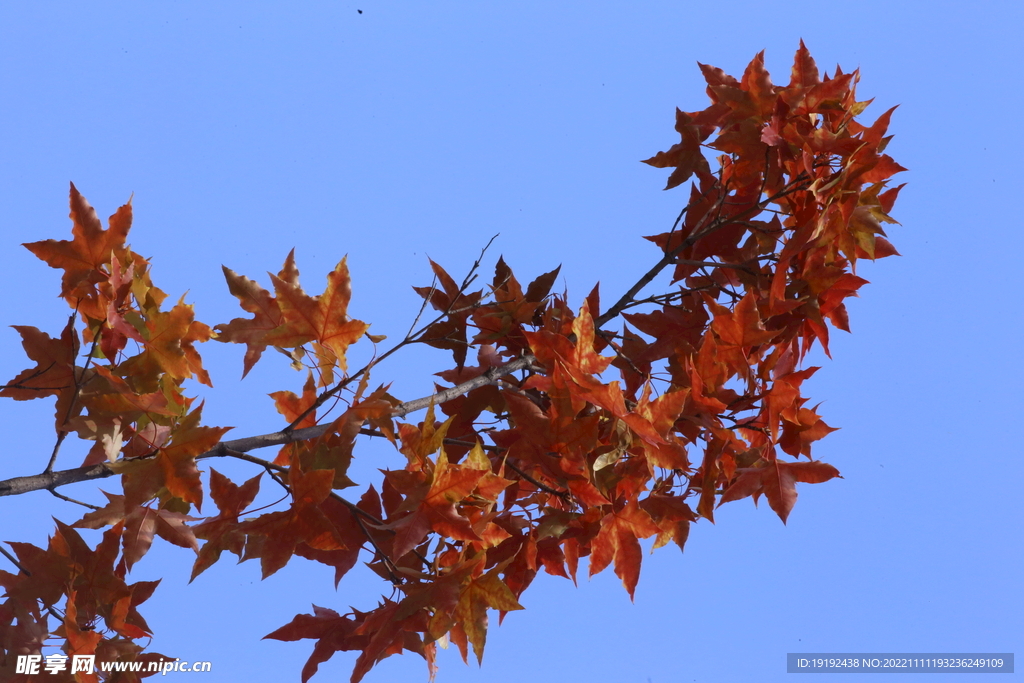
(567, 439)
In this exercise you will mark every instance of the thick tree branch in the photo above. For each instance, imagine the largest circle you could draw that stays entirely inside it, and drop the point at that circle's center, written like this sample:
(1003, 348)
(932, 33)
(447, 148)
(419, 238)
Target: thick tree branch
(52, 480)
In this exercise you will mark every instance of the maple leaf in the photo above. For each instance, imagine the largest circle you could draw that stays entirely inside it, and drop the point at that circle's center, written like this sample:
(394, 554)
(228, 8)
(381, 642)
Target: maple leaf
(584, 355)
(758, 83)
(89, 251)
(141, 525)
(332, 450)
(112, 405)
(418, 444)
(303, 522)
(169, 338)
(48, 574)
(659, 417)
(221, 532)
(617, 541)
(685, 156)
(383, 634)
(99, 588)
(674, 329)
(331, 631)
(173, 468)
(742, 326)
(291, 406)
(488, 591)
(777, 481)
(54, 373)
(434, 507)
(673, 517)
(267, 314)
(801, 427)
(353, 527)
(490, 484)
(805, 72)
(81, 641)
(323, 318)
(449, 333)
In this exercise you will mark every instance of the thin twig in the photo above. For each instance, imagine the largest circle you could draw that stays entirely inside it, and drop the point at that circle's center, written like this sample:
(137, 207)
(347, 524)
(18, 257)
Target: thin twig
(713, 264)
(476, 264)
(72, 500)
(423, 307)
(675, 225)
(79, 379)
(37, 373)
(389, 564)
(618, 352)
(669, 256)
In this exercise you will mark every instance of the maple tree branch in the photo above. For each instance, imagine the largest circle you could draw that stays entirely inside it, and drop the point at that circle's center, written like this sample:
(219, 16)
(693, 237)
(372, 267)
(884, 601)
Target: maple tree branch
(667, 298)
(644, 280)
(21, 388)
(675, 223)
(734, 245)
(61, 435)
(669, 255)
(767, 168)
(448, 394)
(725, 290)
(540, 486)
(532, 398)
(223, 449)
(476, 264)
(239, 447)
(49, 480)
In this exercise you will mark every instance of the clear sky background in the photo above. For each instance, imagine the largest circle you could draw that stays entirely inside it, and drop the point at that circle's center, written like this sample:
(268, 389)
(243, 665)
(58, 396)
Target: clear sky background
(247, 128)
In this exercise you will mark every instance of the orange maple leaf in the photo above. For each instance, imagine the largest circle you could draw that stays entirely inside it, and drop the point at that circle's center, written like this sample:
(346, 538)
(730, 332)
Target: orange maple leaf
(89, 252)
(488, 591)
(54, 373)
(617, 541)
(436, 510)
(322, 318)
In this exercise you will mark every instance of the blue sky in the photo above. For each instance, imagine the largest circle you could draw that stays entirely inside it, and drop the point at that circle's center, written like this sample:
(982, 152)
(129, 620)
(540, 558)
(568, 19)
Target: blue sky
(247, 129)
